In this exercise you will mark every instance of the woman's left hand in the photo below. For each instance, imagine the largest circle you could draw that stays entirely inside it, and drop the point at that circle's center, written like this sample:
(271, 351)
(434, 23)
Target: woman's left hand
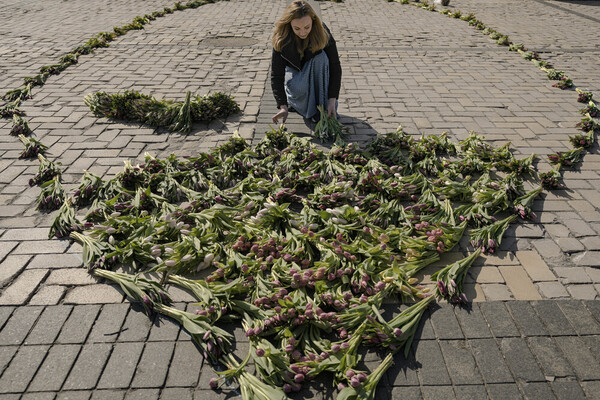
(331, 108)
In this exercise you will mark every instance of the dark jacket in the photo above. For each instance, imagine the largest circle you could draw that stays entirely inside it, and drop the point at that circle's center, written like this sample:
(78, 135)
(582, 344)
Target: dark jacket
(290, 57)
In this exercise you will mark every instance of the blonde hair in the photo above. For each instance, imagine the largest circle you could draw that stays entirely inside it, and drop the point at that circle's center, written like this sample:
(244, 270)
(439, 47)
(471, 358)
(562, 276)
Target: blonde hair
(317, 38)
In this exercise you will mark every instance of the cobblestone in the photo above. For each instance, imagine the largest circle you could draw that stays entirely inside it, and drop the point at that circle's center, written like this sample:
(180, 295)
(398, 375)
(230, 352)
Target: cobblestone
(55, 368)
(153, 366)
(19, 325)
(88, 367)
(48, 325)
(93, 294)
(583, 292)
(22, 369)
(78, 325)
(552, 290)
(121, 366)
(11, 267)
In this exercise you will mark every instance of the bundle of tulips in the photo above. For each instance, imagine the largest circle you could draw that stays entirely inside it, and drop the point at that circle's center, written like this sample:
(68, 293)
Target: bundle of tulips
(176, 116)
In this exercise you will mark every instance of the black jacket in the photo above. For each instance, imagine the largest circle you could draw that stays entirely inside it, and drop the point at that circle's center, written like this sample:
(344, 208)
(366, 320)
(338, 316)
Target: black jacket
(290, 57)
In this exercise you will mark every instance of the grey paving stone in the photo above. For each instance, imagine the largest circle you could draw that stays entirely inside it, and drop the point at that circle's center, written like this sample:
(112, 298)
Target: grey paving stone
(74, 395)
(6, 354)
(48, 295)
(22, 368)
(425, 329)
(550, 357)
(499, 319)
(65, 260)
(6, 247)
(88, 367)
(121, 366)
(5, 313)
(18, 326)
(142, 394)
(23, 288)
(579, 317)
(109, 322)
(594, 307)
(153, 366)
(77, 327)
(568, 390)
(591, 388)
(15, 396)
(432, 368)
(577, 352)
(163, 329)
(406, 393)
(94, 294)
(108, 394)
(520, 360)
(504, 391)
(444, 322)
(55, 368)
(48, 325)
(185, 366)
(490, 361)
(588, 258)
(39, 396)
(552, 290)
(136, 326)
(555, 321)
(438, 392)
(526, 319)
(473, 324)
(470, 392)
(177, 394)
(536, 390)
(460, 362)
(583, 292)
(11, 267)
(593, 343)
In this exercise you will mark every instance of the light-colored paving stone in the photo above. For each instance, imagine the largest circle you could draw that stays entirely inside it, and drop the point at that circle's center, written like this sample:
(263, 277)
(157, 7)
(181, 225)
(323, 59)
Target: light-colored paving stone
(497, 292)
(93, 294)
(552, 290)
(519, 282)
(583, 292)
(535, 266)
(48, 295)
(70, 276)
(485, 274)
(23, 287)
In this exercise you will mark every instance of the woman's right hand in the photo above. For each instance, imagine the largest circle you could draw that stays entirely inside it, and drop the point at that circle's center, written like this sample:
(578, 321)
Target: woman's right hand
(283, 113)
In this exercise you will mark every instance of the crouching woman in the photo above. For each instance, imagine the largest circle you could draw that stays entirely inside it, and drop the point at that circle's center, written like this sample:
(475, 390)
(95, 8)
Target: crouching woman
(305, 67)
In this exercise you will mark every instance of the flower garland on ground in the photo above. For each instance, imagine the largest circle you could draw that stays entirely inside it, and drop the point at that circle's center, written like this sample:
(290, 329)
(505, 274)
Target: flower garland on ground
(589, 124)
(300, 245)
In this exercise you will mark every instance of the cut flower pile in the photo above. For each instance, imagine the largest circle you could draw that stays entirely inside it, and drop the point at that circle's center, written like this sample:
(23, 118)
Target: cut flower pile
(300, 245)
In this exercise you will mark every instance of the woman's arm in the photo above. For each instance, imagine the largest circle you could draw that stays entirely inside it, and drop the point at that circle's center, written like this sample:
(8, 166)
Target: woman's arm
(278, 79)
(335, 74)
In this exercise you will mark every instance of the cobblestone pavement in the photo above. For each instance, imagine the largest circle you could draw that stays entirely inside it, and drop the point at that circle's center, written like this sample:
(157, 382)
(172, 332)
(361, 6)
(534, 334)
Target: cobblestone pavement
(533, 330)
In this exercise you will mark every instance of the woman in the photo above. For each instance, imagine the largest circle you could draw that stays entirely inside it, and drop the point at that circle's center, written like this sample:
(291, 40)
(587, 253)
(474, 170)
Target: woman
(305, 68)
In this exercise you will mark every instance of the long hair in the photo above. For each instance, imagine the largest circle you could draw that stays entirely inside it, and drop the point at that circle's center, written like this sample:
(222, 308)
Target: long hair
(317, 38)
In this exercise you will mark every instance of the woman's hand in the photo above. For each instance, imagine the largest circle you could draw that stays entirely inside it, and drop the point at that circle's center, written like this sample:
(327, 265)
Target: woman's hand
(283, 113)
(331, 108)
